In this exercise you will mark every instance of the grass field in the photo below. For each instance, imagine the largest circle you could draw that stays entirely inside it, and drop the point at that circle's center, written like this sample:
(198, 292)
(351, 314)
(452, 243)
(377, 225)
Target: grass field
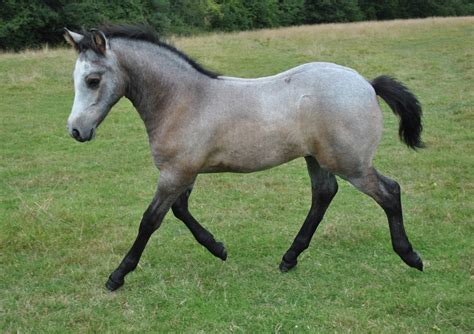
(69, 211)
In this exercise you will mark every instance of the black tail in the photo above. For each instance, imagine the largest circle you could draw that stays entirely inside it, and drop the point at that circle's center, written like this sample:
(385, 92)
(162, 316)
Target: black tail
(404, 104)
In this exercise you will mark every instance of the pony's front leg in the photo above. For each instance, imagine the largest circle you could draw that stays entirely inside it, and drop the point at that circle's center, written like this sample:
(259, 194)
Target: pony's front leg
(170, 186)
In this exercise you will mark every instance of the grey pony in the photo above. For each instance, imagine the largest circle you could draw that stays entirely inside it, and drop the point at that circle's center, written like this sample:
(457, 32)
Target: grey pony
(200, 122)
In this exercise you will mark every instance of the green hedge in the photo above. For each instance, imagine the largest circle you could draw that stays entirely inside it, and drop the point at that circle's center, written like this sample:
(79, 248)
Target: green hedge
(31, 23)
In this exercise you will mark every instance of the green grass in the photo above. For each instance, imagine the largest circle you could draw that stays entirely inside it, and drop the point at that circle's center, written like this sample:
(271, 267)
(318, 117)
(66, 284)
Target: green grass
(70, 211)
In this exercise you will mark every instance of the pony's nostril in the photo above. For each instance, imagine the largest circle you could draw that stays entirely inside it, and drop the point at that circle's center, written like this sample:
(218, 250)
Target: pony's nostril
(76, 134)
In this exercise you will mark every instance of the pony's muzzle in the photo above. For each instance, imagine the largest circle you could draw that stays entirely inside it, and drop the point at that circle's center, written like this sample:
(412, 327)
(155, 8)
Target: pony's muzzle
(82, 136)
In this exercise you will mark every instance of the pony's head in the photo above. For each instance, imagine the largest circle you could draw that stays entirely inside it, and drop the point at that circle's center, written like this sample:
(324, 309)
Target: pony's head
(98, 83)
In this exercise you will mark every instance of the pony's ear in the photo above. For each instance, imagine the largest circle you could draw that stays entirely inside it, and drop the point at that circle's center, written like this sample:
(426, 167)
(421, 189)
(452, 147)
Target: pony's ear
(73, 38)
(99, 40)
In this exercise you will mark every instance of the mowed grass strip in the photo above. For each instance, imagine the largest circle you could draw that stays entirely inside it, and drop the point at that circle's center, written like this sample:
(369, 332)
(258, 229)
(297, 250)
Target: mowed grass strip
(70, 211)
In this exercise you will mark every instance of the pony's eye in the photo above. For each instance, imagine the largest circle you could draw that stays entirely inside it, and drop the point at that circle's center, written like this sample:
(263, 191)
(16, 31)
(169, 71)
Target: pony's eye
(93, 83)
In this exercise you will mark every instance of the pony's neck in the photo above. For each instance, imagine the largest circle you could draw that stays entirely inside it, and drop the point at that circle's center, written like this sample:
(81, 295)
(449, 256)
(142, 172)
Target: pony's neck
(158, 81)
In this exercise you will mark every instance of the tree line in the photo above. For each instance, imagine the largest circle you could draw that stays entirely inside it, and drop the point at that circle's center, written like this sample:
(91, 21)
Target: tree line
(31, 23)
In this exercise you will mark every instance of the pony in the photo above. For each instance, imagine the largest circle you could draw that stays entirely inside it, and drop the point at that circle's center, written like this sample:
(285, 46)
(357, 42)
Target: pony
(200, 122)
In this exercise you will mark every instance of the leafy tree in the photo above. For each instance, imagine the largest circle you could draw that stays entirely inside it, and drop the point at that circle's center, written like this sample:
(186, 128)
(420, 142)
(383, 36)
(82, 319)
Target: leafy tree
(388, 9)
(321, 11)
(159, 15)
(263, 13)
(91, 13)
(426, 8)
(369, 9)
(30, 23)
(291, 12)
(233, 16)
(25, 24)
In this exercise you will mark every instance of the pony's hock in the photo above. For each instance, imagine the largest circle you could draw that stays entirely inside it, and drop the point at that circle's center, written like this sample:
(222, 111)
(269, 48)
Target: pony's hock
(326, 113)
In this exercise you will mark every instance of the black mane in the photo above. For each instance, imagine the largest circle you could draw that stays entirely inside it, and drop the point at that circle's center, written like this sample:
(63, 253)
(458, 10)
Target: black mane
(142, 33)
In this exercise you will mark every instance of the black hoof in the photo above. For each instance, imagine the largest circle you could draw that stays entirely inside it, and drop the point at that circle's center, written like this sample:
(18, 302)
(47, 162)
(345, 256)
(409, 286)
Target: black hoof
(223, 254)
(413, 260)
(219, 251)
(287, 266)
(112, 285)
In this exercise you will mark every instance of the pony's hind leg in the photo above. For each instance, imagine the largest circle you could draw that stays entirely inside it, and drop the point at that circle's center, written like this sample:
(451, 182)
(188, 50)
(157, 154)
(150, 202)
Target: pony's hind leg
(203, 236)
(386, 192)
(323, 189)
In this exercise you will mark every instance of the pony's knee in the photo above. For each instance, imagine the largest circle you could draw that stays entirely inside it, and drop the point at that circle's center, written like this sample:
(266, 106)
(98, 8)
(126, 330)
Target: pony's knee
(149, 222)
(326, 191)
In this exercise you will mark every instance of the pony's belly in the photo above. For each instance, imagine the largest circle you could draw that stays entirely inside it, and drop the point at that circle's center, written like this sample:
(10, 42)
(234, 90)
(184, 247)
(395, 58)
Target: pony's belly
(244, 166)
(253, 156)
